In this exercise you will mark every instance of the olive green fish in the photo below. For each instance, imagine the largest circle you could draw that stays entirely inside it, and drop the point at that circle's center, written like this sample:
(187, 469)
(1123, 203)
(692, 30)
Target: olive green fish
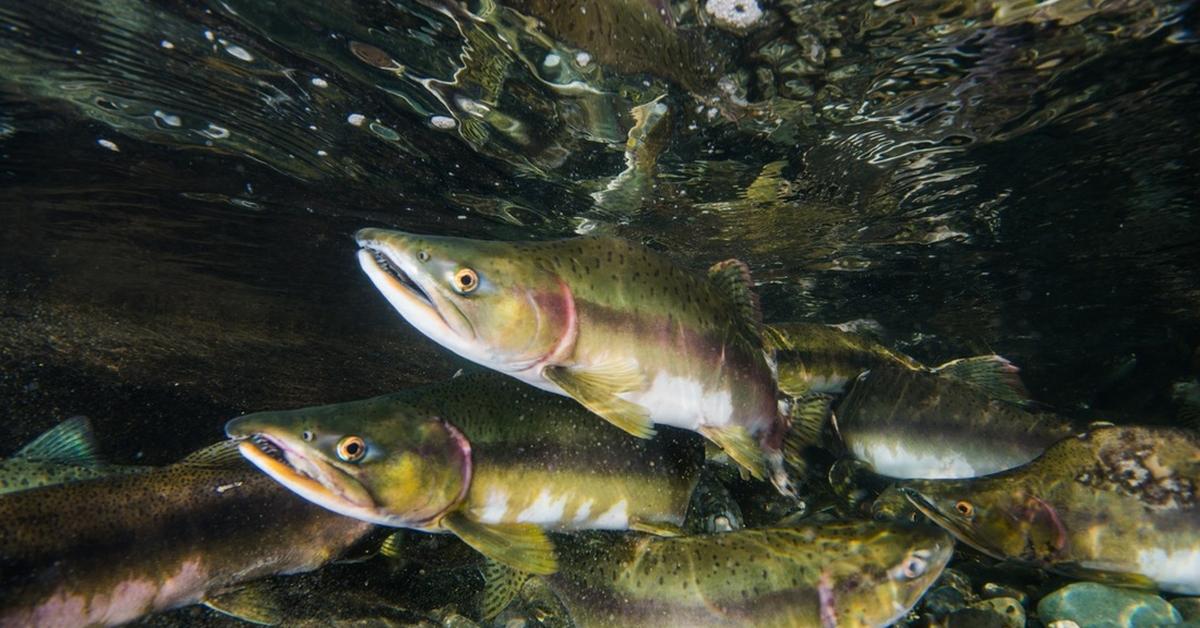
(631, 36)
(910, 424)
(823, 359)
(835, 574)
(64, 453)
(106, 551)
(620, 328)
(1117, 504)
(481, 456)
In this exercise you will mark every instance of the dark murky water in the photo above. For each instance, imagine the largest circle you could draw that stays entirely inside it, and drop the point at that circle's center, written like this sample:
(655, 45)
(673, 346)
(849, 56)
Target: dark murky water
(179, 182)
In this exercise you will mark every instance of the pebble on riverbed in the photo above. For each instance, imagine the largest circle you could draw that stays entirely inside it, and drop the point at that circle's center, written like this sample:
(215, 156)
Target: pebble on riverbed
(1092, 604)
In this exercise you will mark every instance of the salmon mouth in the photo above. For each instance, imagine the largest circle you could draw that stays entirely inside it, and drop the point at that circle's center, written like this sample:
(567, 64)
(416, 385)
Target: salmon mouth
(393, 270)
(413, 293)
(961, 532)
(308, 476)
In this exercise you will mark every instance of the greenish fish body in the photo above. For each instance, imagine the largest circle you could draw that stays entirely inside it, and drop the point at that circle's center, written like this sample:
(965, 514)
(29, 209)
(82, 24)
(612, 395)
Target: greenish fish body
(843, 574)
(910, 424)
(106, 551)
(814, 358)
(480, 456)
(65, 453)
(822, 359)
(614, 325)
(1116, 504)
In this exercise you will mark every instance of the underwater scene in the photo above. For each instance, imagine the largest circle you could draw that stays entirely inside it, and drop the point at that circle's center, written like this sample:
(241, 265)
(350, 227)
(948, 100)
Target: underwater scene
(456, 313)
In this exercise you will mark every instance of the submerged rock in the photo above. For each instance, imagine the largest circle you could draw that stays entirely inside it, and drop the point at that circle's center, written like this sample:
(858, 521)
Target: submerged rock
(1188, 607)
(1003, 612)
(1092, 604)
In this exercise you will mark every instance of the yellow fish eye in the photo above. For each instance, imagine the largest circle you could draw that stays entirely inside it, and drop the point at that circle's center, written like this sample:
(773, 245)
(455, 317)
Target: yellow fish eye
(351, 449)
(965, 508)
(465, 280)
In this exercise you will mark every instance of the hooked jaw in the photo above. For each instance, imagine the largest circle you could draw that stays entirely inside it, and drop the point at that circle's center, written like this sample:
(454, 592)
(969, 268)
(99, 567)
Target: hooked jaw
(386, 259)
(963, 532)
(294, 465)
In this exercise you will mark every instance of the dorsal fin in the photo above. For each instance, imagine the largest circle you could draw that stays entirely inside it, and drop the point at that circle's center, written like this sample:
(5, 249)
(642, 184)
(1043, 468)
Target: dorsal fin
(69, 442)
(732, 279)
(222, 455)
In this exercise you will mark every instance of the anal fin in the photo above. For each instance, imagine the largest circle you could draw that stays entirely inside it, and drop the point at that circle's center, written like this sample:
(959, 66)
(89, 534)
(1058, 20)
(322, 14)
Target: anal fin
(597, 389)
(253, 603)
(522, 546)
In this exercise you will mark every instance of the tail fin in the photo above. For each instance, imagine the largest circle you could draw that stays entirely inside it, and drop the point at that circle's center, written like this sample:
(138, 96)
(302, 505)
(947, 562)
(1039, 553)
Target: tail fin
(809, 418)
(993, 374)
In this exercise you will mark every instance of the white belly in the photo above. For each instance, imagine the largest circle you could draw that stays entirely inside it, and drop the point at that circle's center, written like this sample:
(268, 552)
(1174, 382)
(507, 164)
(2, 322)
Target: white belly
(683, 402)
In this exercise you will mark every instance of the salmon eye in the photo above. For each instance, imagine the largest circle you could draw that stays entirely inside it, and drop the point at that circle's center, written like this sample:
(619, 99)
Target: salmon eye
(306, 436)
(422, 256)
(466, 280)
(914, 567)
(351, 449)
(964, 508)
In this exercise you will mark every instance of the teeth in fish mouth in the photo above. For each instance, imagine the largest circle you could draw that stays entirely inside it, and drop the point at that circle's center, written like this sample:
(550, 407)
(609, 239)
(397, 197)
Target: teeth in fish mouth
(393, 269)
(268, 447)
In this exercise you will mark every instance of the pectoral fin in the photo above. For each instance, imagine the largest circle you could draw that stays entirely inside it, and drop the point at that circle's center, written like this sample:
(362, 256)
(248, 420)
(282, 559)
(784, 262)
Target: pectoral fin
(501, 584)
(741, 446)
(255, 604)
(597, 389)
(523, 546)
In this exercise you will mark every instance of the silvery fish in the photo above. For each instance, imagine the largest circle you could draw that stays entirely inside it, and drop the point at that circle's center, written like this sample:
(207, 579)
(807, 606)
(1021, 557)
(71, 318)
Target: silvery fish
(483, 457)
(108, 550)
(833, 574)
(910, 424)
(1116, 504)
(623, 330)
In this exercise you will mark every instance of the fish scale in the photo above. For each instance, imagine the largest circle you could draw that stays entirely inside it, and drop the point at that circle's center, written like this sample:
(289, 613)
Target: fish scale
(850, 572)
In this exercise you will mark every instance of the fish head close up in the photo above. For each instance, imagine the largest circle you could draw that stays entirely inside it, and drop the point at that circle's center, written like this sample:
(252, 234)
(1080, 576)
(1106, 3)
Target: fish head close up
(499, 304)
(905, 560)
(378, 460)
(996, 517)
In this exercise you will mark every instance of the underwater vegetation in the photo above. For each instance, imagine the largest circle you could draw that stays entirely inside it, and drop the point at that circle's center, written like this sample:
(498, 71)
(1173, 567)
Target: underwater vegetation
(599, 313)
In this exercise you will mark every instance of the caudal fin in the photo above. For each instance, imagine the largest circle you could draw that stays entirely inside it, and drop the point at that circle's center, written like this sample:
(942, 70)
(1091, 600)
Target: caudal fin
(993, 374)
(807, 433)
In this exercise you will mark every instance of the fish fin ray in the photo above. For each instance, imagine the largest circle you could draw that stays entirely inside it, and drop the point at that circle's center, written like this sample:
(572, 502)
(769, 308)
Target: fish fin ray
(393, 546)
(523, 546)
(809, 418)
(597, 390)
(252, 604)
(732, 279)
(70, 442)
(993, 374)
(222, 455)
(657, 528)
(501, 584)
(741, 447)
